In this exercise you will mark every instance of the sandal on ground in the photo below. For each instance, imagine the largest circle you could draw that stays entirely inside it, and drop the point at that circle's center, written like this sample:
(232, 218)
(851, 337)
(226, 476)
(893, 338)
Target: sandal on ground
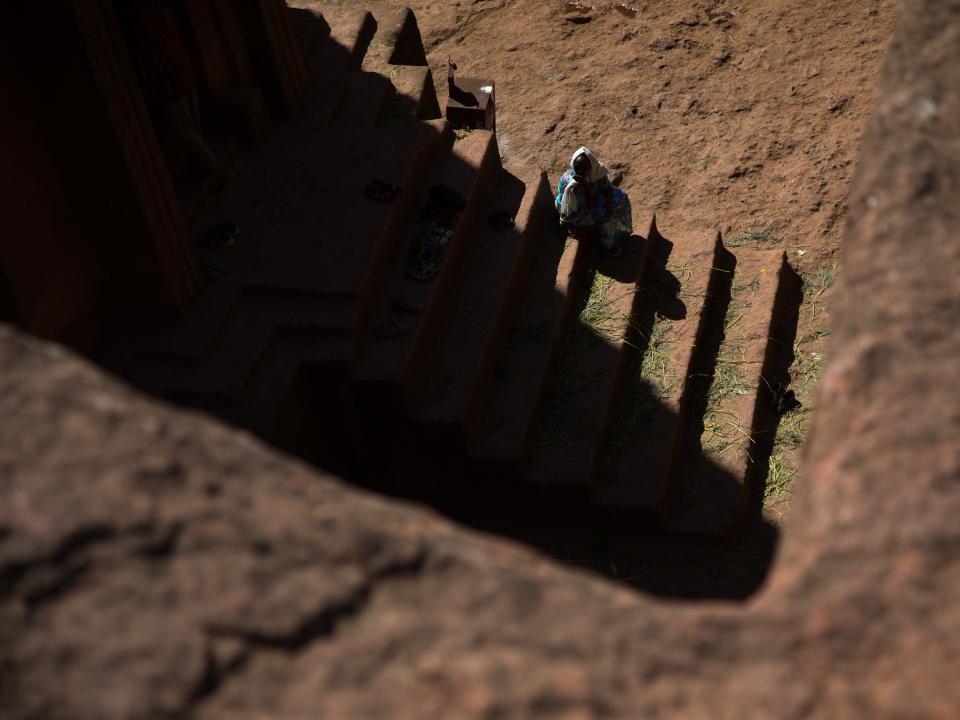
(782, 400)
(787, 403)
(381, 191)
(500, 220)
(616, 250)
(211, 272)
(405, 306)
(391, 329)
(224, 235)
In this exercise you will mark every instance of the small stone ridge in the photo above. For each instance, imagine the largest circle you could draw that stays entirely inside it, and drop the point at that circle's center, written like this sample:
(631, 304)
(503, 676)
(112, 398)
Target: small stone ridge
(502, 434)
(633, 466)
(487, 298)
(326, 85)
(289, 353)
(590, 362)
(195, 335)
(399, 361)
(247, 336)
(712, 487)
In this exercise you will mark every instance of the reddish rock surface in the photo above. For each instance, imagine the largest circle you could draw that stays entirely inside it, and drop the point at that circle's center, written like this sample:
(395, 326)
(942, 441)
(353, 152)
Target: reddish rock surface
(154, 564)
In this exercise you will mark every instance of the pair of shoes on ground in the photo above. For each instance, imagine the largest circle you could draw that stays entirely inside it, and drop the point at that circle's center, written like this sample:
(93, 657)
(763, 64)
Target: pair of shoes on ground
(381, 191)
(783, 400)
(391, 327)
(501, 220)
(224, 235)
(211, 272)
(615, 250)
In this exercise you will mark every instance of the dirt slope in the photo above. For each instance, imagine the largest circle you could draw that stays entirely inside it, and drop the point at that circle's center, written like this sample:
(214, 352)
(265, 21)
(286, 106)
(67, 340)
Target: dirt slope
(742, 117)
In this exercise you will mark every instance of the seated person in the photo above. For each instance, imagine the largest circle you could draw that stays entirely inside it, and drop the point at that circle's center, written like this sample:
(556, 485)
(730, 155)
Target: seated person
(590, 205)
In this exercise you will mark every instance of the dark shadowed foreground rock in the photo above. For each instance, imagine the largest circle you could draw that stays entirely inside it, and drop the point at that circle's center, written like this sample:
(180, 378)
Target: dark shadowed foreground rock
(154, 564)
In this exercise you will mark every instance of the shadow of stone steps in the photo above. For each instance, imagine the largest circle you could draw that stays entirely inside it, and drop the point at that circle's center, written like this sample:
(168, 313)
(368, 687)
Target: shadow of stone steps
(260, 406)
(502, 433)
(310, 29)
(395, 365)
(590, 363)
(350, 25)
(734, 400)
(192, 337)
(496, 269)
(414, 96)
(365, 96)
(302, 232)
(342, 39)
(633, 467)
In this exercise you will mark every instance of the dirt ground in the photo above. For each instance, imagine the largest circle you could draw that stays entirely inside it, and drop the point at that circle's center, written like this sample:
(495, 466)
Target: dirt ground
(743, 117)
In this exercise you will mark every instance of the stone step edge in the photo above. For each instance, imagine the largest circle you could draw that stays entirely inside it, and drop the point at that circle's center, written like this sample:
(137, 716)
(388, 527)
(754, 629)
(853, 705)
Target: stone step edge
(208, 377)
(527, 220)
(486, 449)
(623, 342)
(685, 357)
(759, 357)
(406, 375)
(364, 97)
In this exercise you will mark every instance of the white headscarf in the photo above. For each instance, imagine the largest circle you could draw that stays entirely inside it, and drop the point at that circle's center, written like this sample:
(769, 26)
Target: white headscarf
(598, 171)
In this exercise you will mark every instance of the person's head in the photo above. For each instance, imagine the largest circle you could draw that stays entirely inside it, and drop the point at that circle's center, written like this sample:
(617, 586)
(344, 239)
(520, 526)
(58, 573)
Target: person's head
(581, 167)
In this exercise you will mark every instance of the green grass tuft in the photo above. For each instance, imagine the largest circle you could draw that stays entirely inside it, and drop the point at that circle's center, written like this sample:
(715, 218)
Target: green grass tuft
(753, 237)
(600, 314)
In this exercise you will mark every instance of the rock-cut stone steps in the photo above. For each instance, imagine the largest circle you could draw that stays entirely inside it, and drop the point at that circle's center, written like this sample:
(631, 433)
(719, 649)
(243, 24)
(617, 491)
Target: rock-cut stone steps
(601, 389)
(589, 364)
(497, 264)
(528, 355)
(646, 426)
(393, 365)
(313, 251)
(717, 470)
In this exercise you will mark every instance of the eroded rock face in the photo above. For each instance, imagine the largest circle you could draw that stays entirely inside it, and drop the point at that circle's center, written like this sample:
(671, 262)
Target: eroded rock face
(154, 564)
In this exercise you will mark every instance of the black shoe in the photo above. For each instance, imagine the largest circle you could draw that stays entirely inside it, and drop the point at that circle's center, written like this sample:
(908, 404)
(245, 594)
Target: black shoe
(776, 395)
(782, 400)
(381, 191)
(615, 251)
(788, 402)
(406, 307)
(500, 220)
(223, 235)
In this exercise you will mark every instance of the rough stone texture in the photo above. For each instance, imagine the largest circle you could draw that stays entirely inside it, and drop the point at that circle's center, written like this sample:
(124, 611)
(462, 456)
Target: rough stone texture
(154, 564)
